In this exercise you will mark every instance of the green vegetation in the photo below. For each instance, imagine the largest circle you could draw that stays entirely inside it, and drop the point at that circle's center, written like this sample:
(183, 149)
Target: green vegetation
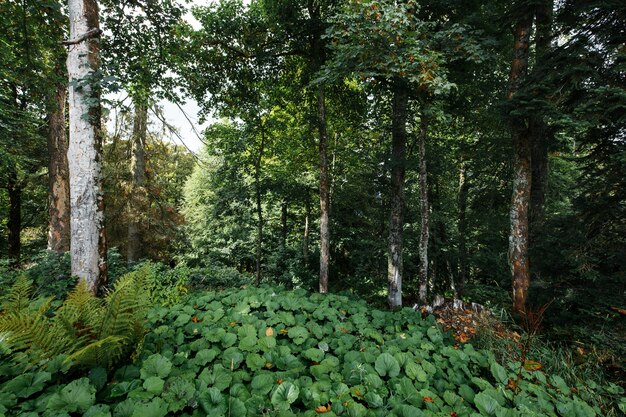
(270, 351)
(346, 159)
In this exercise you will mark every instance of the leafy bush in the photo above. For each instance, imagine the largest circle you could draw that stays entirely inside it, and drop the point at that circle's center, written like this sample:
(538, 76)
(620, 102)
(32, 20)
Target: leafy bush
(267, 351)
(51, 273)
(217, 277)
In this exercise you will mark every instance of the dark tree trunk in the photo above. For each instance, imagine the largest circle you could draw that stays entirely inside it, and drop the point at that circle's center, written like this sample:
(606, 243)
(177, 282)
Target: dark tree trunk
(138, 175)
(464, 185)
(14, 224)
(424, 211)
(58, 175)
(259, 207)
(316, 58)
(522, 173)
(398, 167)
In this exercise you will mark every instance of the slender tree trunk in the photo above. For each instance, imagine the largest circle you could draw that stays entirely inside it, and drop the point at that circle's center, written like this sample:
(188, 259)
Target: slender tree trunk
(522, 176)
(307, 231)
(283, 224)
(14, 224)
(259, 207)
(398, 167)
(424, 211)
(324, 192)
(58, 175)
(138, 175)
(463, 192)
(317, 57)
(88, 246)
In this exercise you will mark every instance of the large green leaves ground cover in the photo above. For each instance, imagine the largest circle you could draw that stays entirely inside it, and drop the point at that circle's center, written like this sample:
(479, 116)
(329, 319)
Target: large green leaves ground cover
(268, 351)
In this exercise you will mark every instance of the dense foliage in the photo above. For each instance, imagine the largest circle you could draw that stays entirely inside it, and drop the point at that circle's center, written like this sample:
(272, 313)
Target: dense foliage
(373, 144)
(268, 351)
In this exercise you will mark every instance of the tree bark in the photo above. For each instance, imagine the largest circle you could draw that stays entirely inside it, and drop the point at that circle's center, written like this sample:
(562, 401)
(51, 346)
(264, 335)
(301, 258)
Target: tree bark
(307, 231)
(463, 192)
(522, 176)
(88, 246)
(398, 167)
(324, 192)
(58, 175)
(14, 224)
(317, 57)
(259, 207)
(138, 175)
(283, 224)
(425, 213)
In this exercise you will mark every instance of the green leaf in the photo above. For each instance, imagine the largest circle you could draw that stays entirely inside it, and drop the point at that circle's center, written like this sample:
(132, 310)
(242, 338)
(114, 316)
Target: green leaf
(284, 395)
(156, 365)
(263, 383)
(299, 334)
(415, 371)
(204, 356)
(27, 384)
(499, 373)
(486, 404)
(314, 354)
(387, 365)
(77, 396)
(155, 408)
(98, 410)
(154, 385)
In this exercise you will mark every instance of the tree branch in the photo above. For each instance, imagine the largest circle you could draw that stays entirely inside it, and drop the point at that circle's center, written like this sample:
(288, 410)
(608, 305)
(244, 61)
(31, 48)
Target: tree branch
(91, 33)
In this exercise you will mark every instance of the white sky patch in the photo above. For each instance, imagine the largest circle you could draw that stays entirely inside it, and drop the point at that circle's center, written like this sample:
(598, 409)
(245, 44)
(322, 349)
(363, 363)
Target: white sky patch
(184, 116)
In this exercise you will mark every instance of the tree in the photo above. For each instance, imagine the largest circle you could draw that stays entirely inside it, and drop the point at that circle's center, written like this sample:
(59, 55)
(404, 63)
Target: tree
(88, 245)
(375, 40)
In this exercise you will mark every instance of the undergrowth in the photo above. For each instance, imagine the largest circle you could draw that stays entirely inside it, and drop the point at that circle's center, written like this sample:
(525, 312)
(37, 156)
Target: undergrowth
(272, 352)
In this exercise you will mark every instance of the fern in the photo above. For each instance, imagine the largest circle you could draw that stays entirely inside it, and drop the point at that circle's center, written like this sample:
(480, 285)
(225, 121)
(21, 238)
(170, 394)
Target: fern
(89, 330)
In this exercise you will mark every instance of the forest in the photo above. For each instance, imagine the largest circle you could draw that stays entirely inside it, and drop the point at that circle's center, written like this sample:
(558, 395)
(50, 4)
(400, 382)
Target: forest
(382, 208)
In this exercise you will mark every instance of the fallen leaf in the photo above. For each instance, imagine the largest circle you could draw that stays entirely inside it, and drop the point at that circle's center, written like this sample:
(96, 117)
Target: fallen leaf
(280, 381)
(427, 399)
(321, 409)
(532, 365)
(284, 331)
(269, 332)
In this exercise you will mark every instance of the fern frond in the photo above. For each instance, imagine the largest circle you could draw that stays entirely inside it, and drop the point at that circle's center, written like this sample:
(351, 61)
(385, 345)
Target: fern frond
(101, 352)
(19, 296)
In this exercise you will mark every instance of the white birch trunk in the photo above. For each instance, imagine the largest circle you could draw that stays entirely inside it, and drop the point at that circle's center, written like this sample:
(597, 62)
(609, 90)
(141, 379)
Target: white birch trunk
(88, 250)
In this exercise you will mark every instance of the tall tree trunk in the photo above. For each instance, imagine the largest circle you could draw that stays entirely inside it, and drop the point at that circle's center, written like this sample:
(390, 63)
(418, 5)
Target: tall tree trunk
(522, 176)
(259, 208)
(283, 224)
(317, 57)
(424, 211)
(307, 231)
(58, 175)
(88, 246)
(539, 132)
(464, 185)
(14, 224)
(324, 192)
(138, 175)
(398, 167)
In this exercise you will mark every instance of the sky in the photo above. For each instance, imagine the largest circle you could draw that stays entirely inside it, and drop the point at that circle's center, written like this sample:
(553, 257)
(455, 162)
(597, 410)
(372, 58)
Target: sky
(177, 118)
(186, 121)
